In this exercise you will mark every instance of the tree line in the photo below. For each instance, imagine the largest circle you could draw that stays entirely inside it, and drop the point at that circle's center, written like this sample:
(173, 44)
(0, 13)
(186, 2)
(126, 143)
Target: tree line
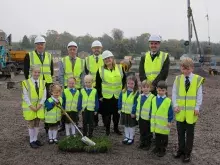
(116, 42)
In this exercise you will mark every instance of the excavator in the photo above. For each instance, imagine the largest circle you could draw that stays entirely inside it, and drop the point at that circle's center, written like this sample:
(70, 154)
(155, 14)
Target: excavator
(11, 61)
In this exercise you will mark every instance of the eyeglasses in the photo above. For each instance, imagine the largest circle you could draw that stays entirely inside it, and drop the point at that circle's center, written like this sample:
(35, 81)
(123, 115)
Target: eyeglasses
(154, 43)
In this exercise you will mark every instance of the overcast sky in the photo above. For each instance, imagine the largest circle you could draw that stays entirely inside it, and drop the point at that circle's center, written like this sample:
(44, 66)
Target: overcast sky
(79, 17)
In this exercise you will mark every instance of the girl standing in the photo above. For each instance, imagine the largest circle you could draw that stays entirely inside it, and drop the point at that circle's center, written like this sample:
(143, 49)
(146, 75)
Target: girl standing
(127, 105)
(53, 112)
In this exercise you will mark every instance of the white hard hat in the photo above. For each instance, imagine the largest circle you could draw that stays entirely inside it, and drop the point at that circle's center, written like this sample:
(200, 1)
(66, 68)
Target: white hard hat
(96, 43)
(39, 39)
(72, 43)
(107, 54)
(155, 38)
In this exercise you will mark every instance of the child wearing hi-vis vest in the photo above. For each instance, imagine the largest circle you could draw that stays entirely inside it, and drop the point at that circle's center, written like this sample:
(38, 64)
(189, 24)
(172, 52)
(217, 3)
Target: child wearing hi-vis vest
(72, 103)
(34, 95)
(187, 99)
(53, 112)
(143, 114)
(127, 107)
(90, 105)
(161, 115)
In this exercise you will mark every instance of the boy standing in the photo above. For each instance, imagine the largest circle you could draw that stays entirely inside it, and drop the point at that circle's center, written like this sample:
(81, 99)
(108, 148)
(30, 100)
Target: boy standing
(187, 99)
(161, 117)
(90, 105)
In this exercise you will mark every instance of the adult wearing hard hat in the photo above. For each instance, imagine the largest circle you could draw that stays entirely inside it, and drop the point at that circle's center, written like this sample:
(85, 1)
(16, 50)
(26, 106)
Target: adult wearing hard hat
(154, 66)
(71, 66)
(40, 58)
(93, 62)
(110, 80)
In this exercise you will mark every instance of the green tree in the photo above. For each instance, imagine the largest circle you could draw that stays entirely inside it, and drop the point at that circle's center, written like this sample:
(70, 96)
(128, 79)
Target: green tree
(25, 43)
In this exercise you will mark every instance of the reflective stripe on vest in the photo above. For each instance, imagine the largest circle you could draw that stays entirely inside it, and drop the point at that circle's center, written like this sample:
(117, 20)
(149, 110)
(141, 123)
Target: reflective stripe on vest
(127, 102)
(71, 100)
(159, 116)
(187, 101)
(34, 99)
(45, 67)
(76, 72)
(111, 81)
(145, 110)
(93, 67)
(54, 115)
(153, 68)
(88, 102)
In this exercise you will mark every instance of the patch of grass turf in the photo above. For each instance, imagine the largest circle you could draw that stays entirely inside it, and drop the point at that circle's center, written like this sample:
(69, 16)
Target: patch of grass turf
(74, 144)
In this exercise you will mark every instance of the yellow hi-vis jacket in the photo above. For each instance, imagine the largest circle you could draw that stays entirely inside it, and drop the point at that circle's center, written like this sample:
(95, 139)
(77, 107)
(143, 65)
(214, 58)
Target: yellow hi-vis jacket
(153, 68)
(54, 115)
(111, 81)
(145, 110)
(127, 102)
(28, 114)
(159, 117)
(187, 100)
(71, 100)
(73, 72)
(93, 67)
(45, 67)
(88, 102)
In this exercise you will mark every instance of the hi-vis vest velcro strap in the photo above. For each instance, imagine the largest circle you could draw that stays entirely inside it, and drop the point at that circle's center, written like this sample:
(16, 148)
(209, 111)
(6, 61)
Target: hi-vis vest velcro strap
(147, 73)
(103, 76)
(185, 97)
(72, 73)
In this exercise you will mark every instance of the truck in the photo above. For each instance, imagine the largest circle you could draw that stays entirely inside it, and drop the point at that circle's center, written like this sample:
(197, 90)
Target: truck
(11, 61)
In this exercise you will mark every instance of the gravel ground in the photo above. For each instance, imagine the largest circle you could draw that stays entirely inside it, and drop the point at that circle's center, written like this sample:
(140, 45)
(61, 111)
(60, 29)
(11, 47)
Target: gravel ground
(15, 144)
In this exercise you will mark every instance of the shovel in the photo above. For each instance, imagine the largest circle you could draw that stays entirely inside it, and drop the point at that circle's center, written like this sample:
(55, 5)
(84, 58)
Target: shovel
(84, 139)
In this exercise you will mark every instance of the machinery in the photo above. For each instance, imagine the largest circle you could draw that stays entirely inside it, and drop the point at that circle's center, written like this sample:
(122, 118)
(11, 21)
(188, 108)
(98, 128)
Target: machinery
(11, 62)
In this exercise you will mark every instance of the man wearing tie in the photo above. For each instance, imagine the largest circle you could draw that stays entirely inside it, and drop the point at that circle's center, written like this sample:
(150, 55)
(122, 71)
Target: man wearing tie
(39, 57)
(71, 66)
(154, 66)
(93, 62)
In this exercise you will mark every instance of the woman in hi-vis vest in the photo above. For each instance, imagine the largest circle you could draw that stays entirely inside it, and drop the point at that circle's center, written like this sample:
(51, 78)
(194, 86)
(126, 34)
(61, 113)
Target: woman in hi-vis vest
(110, 80)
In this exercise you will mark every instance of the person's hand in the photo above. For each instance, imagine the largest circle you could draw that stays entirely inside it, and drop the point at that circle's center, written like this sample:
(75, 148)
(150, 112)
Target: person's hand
(95, 113)
(33, 108)
(196, 112)
(39, 106)
(169, 125)
(177, 109)
(132, 115)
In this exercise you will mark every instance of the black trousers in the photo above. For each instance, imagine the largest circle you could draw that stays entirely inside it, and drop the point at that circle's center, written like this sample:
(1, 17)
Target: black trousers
(96, 117)
(161, 142)
(109, 110)
(185, 137)
(145, 133)
(88, 122)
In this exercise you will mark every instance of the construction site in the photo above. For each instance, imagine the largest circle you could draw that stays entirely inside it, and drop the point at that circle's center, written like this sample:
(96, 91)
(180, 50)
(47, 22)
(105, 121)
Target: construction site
(14, 146)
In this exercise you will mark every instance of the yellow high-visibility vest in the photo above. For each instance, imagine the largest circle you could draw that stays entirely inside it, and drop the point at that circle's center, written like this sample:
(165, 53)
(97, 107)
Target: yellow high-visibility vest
(45, 67)
(88, 101)
(35, 99)
(145, 110)
(153, 68)
(93, 67)
(187, 100)
(73, 72)
(159, 117)
(111, 81)
(54, 115)
(71, 100)
(127, 102)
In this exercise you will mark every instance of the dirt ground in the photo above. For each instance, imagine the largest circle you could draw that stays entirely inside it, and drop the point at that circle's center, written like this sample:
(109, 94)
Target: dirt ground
(15, 149)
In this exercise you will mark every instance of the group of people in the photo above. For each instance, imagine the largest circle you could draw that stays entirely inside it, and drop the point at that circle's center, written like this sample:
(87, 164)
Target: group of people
(99, 85)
